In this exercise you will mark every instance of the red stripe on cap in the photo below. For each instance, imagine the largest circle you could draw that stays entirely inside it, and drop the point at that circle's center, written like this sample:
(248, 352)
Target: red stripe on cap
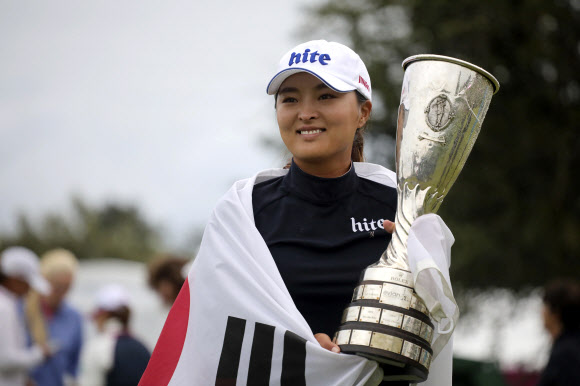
(170, 344)
(362, 81)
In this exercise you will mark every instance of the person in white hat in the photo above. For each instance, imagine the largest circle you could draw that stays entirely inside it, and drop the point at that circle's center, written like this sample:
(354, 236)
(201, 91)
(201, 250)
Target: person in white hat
(114, 357)
(323, 219)
(19, 272)
(323, 99)
(283, 250)
(335, 87)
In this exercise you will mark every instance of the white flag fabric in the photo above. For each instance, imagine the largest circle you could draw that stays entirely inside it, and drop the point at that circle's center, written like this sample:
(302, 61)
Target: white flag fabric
(234, 322)
(429, 251)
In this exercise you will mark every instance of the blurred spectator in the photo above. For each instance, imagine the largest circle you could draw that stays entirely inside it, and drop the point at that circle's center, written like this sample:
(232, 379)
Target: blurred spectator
(50, 315)
(19, 271)
(561, 314)
(113, 357)
(166, 277)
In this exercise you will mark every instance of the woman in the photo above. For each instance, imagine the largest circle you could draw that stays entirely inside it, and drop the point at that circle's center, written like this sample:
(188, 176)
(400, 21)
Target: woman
(166, 277)
(114, 357)
(52, 317)
(283, 250)
(19, 272)
(323, 104)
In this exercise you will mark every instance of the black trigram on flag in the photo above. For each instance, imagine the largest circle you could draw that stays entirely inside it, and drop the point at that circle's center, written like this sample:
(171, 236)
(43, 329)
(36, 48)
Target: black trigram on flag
(293, 359)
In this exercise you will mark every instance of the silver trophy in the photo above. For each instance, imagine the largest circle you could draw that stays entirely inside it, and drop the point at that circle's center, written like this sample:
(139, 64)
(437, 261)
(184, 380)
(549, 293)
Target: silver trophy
(443, 104)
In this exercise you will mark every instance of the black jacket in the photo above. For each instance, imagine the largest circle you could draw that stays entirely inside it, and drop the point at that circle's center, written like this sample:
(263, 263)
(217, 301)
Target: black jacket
(563, 368)
(322, 234)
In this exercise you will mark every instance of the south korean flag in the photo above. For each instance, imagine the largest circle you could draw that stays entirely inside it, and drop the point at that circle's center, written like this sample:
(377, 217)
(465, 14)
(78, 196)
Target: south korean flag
(234, 322)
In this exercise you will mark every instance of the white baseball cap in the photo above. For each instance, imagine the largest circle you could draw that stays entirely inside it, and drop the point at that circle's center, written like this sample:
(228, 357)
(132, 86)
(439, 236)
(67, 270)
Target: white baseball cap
(339, 67)
(22, 263)
(112, 297)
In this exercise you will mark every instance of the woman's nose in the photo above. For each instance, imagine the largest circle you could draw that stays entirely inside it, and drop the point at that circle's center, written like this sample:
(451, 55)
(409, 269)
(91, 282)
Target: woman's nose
(307, 112)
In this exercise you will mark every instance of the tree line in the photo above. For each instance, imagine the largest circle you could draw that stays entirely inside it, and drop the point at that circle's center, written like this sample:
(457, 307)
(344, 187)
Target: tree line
(110, 230)
(515, 209)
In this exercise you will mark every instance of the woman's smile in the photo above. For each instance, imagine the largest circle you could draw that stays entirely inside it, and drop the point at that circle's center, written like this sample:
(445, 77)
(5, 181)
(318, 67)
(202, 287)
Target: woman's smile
(309, 132)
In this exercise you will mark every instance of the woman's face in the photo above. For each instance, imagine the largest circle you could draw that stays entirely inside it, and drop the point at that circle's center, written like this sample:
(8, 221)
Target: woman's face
(18, 286)
(318, 124)
(167, 291)
(552, 322)
(60, 284)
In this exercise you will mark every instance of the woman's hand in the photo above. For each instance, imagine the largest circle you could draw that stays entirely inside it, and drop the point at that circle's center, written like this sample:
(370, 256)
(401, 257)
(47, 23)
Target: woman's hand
(389, 226)
(325, 341)
(47, 352)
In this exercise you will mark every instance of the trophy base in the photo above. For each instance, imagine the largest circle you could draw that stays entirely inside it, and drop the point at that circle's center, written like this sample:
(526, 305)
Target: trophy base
(392, 370)
(388, 323)
(401, 356)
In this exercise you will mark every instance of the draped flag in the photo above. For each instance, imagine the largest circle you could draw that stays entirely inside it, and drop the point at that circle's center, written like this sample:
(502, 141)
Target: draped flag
(234, 322)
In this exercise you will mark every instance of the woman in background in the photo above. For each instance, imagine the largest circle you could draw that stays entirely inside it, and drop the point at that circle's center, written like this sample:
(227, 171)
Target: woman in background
(561, 314)
(52, 318)
(113, 357)
(166, 277)
(19, 272)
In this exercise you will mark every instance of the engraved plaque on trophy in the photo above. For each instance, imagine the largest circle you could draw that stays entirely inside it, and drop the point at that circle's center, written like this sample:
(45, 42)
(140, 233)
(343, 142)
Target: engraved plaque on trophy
(443, 104)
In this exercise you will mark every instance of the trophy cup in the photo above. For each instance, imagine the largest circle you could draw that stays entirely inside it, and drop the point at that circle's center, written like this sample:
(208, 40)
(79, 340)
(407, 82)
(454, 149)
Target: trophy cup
(443, 104)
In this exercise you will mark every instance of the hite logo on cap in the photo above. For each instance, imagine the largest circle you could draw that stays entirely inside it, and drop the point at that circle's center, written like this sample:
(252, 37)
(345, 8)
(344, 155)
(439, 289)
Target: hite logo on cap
(336, 65)
(297, 57)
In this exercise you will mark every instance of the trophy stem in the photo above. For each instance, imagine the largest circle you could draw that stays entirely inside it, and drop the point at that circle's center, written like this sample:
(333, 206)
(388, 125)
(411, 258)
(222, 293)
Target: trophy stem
(395, 256)
(411, 203)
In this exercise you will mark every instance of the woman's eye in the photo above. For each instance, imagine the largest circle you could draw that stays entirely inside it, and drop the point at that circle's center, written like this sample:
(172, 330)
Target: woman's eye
(327, 96)
(288, 100)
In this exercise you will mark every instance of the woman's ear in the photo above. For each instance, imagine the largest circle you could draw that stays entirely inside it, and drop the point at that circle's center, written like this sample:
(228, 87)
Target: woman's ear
(365, 112)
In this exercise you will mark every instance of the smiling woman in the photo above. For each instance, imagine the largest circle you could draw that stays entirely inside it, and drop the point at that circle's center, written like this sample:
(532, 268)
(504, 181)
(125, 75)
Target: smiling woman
(283, 252)
(323, 103)
(318, 124)
(325, 85)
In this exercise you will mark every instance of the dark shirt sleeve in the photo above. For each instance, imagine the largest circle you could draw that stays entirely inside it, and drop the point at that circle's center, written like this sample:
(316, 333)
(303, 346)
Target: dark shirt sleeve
(562, 368)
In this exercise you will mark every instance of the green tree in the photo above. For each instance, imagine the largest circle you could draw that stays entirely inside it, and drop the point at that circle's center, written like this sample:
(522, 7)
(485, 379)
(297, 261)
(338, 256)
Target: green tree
(515, 210)
(109, 231)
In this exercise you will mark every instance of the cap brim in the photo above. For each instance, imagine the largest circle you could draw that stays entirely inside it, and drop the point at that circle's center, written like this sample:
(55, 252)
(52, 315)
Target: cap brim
(330, 80)
(40, 285)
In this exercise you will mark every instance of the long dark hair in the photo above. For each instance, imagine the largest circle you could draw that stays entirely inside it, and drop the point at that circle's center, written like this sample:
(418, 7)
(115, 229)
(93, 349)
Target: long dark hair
(358, 145)
(167, 268)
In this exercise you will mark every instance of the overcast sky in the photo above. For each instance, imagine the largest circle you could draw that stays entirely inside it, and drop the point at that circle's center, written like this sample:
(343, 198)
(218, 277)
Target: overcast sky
(160, 104)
